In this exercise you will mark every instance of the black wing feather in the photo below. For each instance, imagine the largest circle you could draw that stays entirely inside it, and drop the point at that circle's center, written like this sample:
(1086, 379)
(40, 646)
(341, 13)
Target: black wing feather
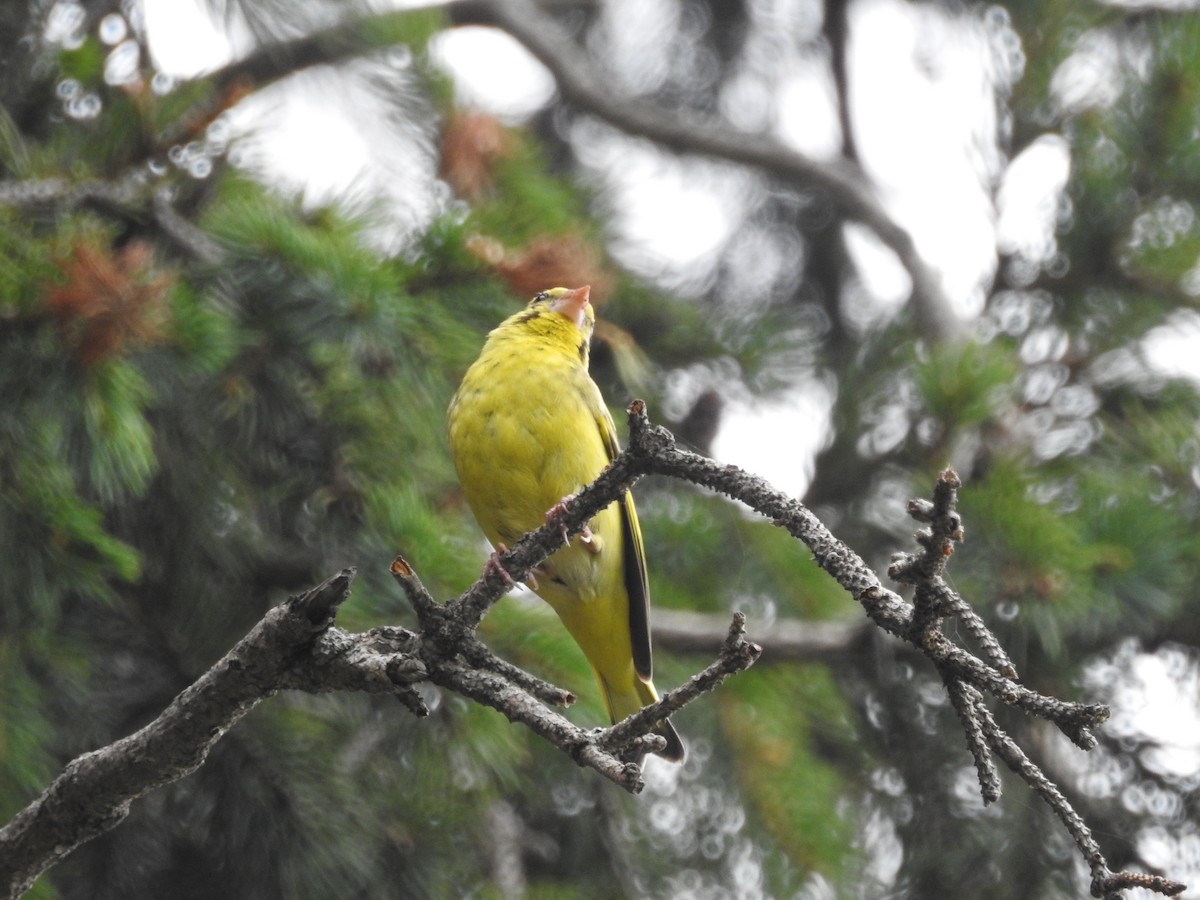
(636, 583)
(638, 587)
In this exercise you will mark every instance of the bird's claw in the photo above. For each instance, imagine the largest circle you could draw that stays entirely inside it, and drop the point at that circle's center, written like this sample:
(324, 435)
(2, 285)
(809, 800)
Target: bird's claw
(531, 581)
(494, 567)
(555, 514)
(589, 540)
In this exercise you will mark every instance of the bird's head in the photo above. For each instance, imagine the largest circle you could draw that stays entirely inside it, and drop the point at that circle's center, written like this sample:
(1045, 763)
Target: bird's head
(571, 303)
(559, 316)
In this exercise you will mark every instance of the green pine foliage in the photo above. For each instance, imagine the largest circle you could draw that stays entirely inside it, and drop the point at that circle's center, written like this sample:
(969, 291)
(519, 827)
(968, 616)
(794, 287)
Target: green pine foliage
(184, 442)
(794, 747)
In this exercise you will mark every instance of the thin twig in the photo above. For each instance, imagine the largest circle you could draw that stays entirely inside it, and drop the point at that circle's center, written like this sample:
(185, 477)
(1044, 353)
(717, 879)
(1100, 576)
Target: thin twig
(1105, 883)
(737, 655)
(964, 699)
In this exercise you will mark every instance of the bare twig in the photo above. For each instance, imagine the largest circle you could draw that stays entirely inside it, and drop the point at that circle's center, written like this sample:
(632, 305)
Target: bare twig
(737, 654)
(1105, 882)
(964, 698)
(934, 598)
(456, 659)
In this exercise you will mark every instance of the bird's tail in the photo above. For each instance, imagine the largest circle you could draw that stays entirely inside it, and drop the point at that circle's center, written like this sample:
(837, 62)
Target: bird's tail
(624, 703)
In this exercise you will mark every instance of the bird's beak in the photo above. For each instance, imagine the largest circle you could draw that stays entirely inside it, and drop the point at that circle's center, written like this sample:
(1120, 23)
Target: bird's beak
(573, 304)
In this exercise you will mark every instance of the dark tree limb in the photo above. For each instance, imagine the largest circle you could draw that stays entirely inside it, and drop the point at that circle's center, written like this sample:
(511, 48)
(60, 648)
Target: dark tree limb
(95, 790)
(836, 29)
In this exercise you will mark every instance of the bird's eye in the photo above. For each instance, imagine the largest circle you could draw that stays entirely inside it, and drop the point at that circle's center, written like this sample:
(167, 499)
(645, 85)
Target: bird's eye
(544, 295)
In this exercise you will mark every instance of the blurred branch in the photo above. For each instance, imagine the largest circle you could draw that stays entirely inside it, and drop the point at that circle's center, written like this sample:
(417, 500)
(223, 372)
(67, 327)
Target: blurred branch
(836, 28)
(192, 240)
(786, 640)
(845, 183)
(505, 829)
(132, 196)
(118, 192)
(842, 180)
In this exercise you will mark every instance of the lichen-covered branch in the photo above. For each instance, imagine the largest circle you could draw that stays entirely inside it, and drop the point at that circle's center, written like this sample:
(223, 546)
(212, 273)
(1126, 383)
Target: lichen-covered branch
(455, 658)
(295, 646)
(652, 450)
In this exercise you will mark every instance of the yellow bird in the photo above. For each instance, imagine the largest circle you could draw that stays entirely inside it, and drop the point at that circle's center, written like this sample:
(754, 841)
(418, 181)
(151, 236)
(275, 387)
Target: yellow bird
(528, 427)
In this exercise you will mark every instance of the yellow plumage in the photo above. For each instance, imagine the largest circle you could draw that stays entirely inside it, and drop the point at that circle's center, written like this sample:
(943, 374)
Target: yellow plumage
(528, 427)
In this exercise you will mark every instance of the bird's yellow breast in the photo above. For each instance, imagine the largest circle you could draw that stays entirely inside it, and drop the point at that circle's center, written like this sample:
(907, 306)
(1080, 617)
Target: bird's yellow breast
(528, 427)
(524, 431)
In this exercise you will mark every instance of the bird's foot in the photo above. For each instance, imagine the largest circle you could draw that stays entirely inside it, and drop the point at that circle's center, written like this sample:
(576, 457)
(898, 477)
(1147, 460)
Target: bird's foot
(557, 511)
(531, 581)
(493, 566)
(590, 541)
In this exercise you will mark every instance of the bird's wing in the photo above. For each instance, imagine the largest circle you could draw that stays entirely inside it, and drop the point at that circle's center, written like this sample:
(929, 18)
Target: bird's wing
(636, 583)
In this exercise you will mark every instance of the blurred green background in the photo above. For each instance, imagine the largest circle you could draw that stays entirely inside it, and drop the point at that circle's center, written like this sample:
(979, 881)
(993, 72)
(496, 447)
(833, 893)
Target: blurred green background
(227, 342)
